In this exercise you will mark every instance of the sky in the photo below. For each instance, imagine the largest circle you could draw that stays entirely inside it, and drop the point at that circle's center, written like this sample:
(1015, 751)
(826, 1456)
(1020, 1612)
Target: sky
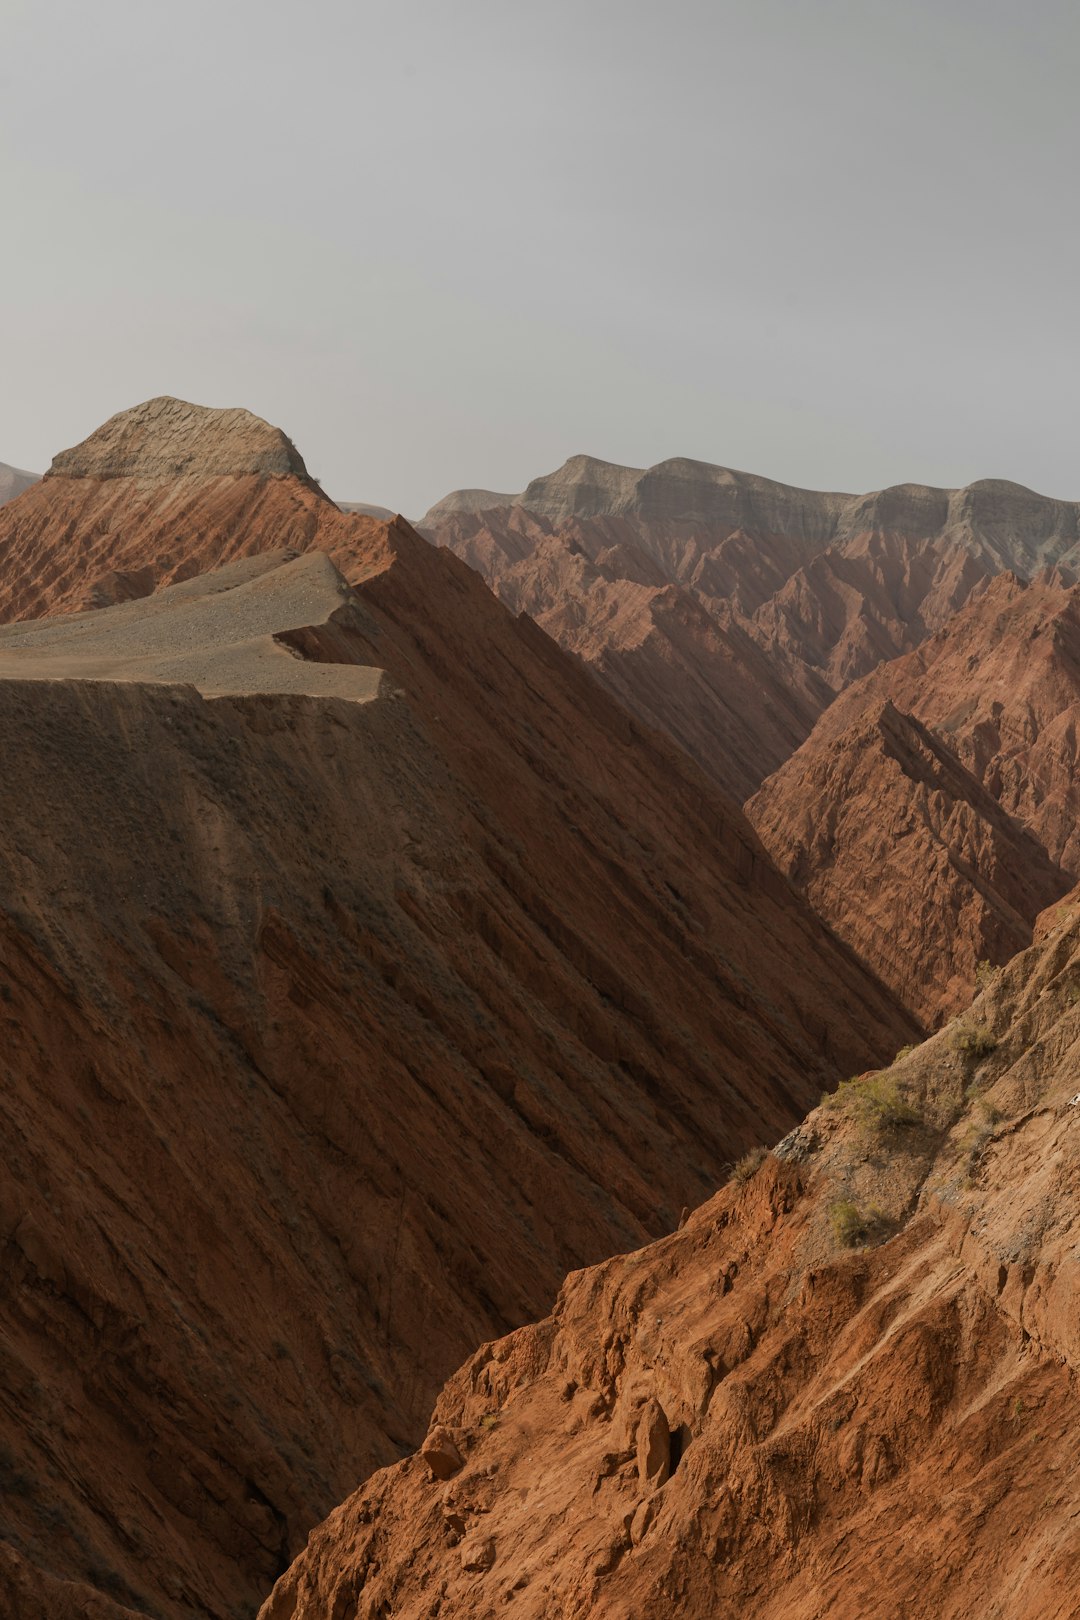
(450, 243)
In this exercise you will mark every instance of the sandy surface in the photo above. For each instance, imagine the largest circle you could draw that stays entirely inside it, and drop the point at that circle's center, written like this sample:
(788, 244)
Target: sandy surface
(219, 633)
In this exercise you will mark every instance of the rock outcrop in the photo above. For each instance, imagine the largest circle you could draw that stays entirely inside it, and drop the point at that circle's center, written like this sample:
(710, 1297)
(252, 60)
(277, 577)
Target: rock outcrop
(164, 439)
(363, 967)
(863, 1355)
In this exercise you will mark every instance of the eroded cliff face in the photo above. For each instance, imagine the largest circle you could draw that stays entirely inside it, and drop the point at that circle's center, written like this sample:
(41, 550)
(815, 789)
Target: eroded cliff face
(845, 1386)
(933, 811)
(908, 856)
(363, 967)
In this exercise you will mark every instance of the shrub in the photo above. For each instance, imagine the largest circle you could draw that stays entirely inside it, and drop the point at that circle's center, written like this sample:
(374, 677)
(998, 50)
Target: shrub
(875, 1102)
(852, 1227)
(748, 1166)
(985, 973)
(979, 1132)
(905, 1051)
(973, 1041)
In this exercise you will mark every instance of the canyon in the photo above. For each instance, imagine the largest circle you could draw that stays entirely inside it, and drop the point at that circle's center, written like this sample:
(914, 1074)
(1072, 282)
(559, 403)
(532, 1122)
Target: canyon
(363, 968)
(460, 1159)
(846, 1386)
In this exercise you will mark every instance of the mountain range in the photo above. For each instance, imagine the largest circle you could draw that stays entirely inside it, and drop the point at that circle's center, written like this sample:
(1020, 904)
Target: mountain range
(619, 941)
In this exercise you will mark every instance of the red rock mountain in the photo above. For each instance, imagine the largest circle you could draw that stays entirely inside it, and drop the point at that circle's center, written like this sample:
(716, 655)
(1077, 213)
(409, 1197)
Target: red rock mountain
(363, 967)
(933, 812)
(669, 581)
(846, 1387)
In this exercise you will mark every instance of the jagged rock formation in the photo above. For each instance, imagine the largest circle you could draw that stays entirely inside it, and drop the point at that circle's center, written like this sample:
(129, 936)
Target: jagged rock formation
(846, 1386)
(932, 840)
(909, 857)
(1001, 686)
(661, 578)
(13, 481)
(362, 968)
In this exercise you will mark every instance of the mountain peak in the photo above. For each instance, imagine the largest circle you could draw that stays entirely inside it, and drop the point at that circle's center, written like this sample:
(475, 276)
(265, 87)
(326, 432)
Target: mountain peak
(170, 438)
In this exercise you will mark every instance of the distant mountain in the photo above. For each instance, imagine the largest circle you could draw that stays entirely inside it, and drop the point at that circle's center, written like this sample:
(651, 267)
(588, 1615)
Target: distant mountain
(366, 509)
(662, 577)
(13, 481)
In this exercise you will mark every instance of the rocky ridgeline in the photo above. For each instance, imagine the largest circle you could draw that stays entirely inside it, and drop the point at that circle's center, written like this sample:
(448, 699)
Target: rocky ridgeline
(1015, 526)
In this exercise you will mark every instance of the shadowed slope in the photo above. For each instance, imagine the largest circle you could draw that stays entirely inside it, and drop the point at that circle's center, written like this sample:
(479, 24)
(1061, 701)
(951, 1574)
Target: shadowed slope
(926, 880)
(284, 979)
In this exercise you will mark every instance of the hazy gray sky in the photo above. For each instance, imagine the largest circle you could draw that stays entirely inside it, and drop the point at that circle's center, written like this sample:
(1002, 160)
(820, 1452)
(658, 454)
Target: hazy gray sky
(448, 242)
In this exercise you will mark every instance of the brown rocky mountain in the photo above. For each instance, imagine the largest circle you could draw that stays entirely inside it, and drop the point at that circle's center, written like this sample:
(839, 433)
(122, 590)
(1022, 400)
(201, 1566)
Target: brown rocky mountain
(13, 481)
(933, 812)
(667, 579)
(845, 1387)
(363, 967)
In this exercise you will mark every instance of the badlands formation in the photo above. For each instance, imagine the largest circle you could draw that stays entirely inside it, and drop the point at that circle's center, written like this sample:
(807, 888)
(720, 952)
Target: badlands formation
(671, 581)
(363, 969)
(454, 1164)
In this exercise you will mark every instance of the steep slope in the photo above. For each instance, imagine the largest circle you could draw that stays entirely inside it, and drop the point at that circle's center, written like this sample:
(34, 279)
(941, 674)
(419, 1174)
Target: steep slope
(698, 676)
(321, 909)
(1001, 685)
(826, 585)
(845, 1387)
(910, 859)
(13, 481)
(927, 874)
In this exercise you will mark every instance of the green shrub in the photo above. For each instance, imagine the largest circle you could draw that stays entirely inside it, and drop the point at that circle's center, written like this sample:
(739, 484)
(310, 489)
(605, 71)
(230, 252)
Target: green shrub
(851, 1227)
(748, 1166)
(985, 974)
(979, 1132)
(875, 1102)
(973, 1041)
